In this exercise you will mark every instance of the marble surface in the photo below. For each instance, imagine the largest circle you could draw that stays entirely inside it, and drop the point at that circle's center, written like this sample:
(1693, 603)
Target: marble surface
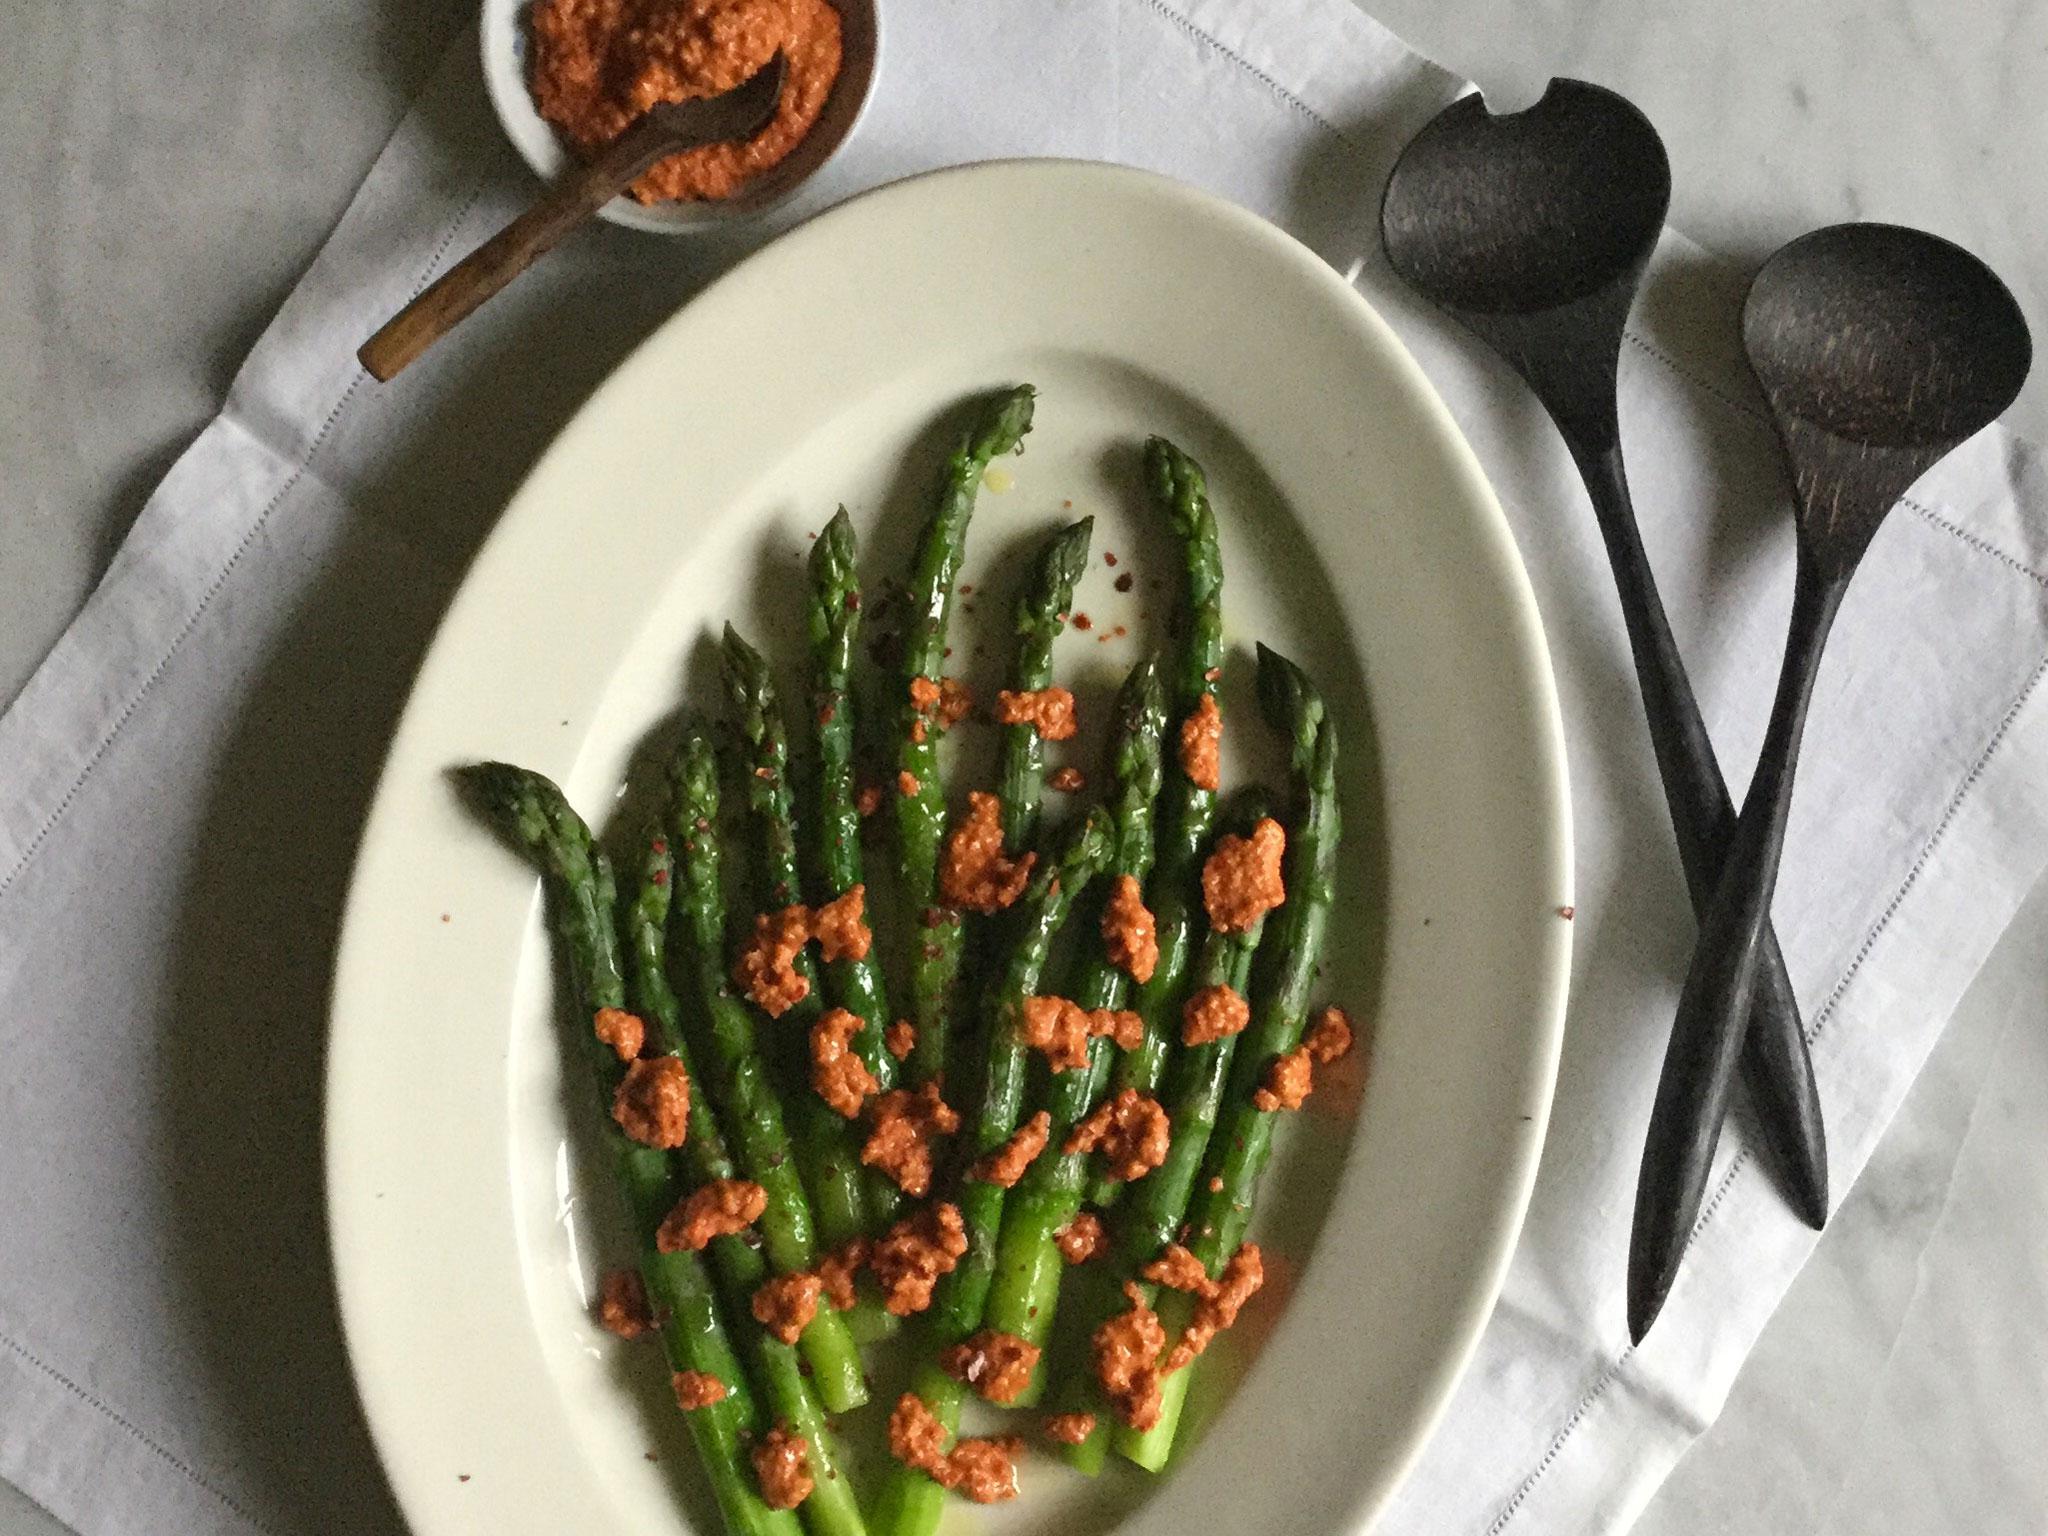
(229, 136)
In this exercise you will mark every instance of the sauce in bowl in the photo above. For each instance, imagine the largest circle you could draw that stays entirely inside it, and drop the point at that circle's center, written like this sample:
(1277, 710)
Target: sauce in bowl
(599, 64)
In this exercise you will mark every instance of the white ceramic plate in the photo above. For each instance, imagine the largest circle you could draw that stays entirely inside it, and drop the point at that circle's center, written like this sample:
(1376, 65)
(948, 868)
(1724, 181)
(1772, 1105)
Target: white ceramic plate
(1359, 536)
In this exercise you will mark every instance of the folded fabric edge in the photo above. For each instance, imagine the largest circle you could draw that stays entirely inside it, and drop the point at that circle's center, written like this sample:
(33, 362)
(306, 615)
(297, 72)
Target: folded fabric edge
(169, 568)
(86, 1465)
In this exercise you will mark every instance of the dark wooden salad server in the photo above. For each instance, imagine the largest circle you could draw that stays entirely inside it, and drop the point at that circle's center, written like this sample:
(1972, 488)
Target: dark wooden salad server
(1532, 229)
(1879, 349)
(663, 130)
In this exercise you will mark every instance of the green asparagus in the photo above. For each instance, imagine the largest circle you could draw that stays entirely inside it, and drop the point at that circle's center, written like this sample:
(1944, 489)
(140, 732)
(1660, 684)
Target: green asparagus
(1242, 1142)
(1187, 808)
(920, 799)
(826, 1146)
(735, 1074)
(911, 1502)
(531, 813)
(1025, 1294)
(1151, 1214)
(778, 1371)
(1041, 614)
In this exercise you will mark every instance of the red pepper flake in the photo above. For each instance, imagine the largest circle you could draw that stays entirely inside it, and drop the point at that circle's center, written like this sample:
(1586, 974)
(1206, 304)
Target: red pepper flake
(1108, 555)
(868, 800)
(906, 783)
(1083, 623)
(1567, 913)
(1067, 781)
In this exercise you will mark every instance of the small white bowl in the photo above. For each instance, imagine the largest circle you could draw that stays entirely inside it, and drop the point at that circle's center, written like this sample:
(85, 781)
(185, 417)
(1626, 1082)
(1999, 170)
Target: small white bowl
(505, 42)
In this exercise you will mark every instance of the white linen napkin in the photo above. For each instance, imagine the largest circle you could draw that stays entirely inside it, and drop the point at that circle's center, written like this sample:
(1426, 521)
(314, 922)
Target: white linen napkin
(186, 773)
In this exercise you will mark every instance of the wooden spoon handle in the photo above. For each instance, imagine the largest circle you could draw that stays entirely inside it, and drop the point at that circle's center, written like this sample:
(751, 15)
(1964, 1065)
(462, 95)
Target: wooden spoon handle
(1699, 1062)
(1775, 1065)
(566, 204)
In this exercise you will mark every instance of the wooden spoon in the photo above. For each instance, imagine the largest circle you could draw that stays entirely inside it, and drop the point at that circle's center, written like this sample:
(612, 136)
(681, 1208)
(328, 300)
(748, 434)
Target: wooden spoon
(1879, 349)
(1532, 229)
(664, 130)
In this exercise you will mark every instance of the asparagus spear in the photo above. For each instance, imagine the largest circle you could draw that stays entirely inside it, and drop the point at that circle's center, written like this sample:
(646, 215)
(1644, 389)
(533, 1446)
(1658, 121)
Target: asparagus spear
(1243, 1139)
(826, 1149)
(737, 1266)
(531, 813)
(833, 613)
(735, 1075)
(1187, 808)
(921, 798)
(1041, 614)
(1025, 1293)
(1151, 1214)
(910, 1501)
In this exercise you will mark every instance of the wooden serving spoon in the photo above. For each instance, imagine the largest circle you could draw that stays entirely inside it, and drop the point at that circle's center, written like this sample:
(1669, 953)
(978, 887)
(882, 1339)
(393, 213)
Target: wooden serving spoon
(663, 130)
(1879, 350)
(1532, 229)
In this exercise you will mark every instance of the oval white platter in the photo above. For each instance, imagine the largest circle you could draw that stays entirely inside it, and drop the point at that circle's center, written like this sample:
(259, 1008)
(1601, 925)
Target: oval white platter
(1359, 537)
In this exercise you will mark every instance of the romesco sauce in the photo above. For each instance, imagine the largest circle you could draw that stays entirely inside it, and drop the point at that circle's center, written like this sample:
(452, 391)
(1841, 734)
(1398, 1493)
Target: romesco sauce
(600, 64)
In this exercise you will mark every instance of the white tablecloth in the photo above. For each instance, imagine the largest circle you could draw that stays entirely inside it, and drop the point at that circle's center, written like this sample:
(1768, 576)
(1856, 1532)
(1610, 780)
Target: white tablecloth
(185, 775)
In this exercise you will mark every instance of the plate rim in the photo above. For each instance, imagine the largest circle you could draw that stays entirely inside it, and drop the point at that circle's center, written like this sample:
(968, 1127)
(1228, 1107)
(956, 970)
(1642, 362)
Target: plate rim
(1551, 959)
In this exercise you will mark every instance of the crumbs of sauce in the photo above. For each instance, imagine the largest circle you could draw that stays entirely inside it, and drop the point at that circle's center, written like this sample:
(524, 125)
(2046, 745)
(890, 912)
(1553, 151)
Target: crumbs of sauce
(622, 1306)
(1241, 880)
(984, 1470)
(840, 926)
(652, 1102)
(624, 1032)
(782, 1466)
(901, 1039)
(1050, 711)
(598, 65)
(1129, 931)
(997, 1366)
(1005, 1166)
(838, 1075)
(1131, 1132)
(1291, 1077)
(1201, 745)
(1080, 1238)
(785, 1304)
(696, 1389)
(1062, 1029)
(1125, 1351)
(766, 969)
(1213, 1013)
(721, 1208)
(911, 1257)
(838, 1269)
(1069, 1428)
(975, 874)
(905, 1124)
